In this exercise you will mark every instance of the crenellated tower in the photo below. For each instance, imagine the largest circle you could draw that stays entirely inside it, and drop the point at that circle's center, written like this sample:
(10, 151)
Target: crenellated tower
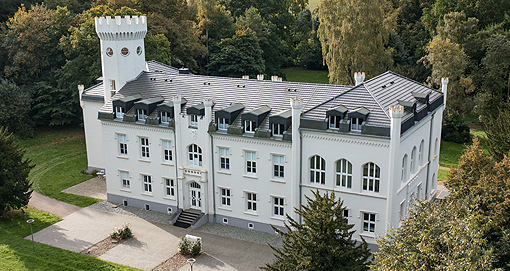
(122, 50)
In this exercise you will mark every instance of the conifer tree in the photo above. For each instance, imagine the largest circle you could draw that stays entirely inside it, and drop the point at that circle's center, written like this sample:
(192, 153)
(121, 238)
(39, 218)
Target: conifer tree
(322, 242)
(14, 170)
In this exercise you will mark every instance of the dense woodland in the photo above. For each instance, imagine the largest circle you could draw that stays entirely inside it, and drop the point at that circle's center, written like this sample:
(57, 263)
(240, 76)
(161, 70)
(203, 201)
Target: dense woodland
(50, 47)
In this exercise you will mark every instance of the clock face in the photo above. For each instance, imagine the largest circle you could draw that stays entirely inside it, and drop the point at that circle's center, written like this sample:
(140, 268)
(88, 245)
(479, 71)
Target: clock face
(193, 133)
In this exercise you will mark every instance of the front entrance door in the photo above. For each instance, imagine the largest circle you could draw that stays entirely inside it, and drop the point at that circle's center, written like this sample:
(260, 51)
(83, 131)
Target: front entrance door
(195, 196)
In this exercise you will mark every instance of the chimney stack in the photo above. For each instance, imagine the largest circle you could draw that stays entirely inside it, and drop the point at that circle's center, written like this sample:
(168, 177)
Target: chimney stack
(260, 77)
(359, 77)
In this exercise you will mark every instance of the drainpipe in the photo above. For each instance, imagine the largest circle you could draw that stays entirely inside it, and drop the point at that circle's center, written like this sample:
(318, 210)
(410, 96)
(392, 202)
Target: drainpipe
(177, 101)
(207, 120)
(396, 113)
(212, 177)
(176, 165)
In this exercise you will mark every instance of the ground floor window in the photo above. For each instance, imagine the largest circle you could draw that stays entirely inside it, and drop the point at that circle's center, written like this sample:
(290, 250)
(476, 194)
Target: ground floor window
(278, 206)
(368, 222)
(225, 197)
(170, 187)
(251, 202)
(147, 183)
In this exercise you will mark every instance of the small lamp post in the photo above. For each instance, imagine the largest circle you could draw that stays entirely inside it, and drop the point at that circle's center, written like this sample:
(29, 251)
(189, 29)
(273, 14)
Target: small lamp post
(30, 221)
(191, 261)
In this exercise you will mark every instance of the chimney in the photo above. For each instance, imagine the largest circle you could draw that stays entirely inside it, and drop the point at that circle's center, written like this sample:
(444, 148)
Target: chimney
(246, 77)
(274, 78)
(359, 77)
(260, 77)
(444, 88)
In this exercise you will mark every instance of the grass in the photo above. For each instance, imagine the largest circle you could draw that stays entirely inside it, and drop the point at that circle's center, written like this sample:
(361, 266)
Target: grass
(59, 156)
(450, 153)
(16, 252)
(301, 75)
(441, 174)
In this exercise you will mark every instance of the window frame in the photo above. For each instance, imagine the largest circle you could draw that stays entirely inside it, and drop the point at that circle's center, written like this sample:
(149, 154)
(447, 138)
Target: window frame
(333, 122)
(251, 202)
(225, 197)
(125, 180)
(147, 183)
(420, 153)
(317, 175)
(403, 176)
(343, 173)
(123, 146)
(223, 124)
(141, 114)
(193, 120)
(119, 112)
(374, 180)
(368, 222)
(224, 158)
(197, 155)
(165, 117)
(412, 166)
(167, 150)
(277, 129)
(278, 166)
(249, 126)
(169, 187)
(144, 147)
(278, 206)
(250, 162)
(356, 124)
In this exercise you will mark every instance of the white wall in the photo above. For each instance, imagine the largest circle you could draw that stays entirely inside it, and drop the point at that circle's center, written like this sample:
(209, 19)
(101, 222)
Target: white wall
(93, 135)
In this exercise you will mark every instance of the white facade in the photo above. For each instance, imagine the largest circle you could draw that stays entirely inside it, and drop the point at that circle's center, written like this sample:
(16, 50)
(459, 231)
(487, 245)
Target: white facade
(252, 179)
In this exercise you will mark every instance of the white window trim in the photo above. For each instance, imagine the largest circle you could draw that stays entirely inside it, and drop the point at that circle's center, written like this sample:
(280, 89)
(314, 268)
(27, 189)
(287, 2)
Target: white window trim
(346, 173)
(335, 122)
(171, 149)
(246, 200)
(368, 181)
(254, 159)
(193, 120)
(144, 192)
(222, 124)
(273, 177)
(119, 112)
(120, 154)
(251, 126)
(271, 202)
(165, 117)
(221, 206)
(142, 146)
(227, 157)
(122, 187)
(377, 219)
(314, 171)
(277, 129)
(166, 196)
(358, 124)
(141, 114)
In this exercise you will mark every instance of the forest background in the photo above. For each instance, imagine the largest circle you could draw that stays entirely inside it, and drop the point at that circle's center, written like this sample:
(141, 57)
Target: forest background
(48, 48)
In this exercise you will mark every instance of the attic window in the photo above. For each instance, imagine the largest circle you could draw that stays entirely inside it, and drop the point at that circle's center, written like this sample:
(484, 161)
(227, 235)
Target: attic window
(124, 51)
(109, 51)
(335, 116)
(222, 124)
(250, 126)
(165, 117)
(142, 114)
(356, 124)
(139, 50)
(278, 129)
(334, 122)
(119, 112)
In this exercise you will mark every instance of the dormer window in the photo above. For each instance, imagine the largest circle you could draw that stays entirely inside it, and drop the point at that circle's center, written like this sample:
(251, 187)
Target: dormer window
(119, 112)
(193, 120)
(222, 124)
(250, 126)
(334, 122)
(356, 124)
(165, 117)
(278, 129)
(142, 114)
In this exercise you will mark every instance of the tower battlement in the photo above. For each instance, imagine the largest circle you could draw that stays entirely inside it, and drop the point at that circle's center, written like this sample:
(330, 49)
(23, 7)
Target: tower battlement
(121, 28)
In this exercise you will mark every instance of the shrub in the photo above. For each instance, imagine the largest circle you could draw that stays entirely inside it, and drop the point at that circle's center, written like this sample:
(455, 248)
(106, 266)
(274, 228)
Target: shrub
(122, 232)
(196, 248)
(455, 129)
(184, 245)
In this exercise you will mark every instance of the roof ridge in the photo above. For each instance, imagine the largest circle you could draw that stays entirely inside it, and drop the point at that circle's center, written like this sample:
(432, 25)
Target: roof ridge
(378, 103)
(412, 80)
(353, 87)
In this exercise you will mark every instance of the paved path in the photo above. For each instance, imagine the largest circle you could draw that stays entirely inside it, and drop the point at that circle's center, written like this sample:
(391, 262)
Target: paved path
(53, 206)
(93, 188)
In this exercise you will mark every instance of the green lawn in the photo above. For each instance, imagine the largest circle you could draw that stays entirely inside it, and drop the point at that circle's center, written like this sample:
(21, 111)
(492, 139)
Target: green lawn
(16, 253)
(59, 156)
(301, 75)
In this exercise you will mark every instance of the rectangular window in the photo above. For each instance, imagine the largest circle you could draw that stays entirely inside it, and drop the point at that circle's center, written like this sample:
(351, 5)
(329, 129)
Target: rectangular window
(333, 122)
(278, 129)
(124, 176)
(225, 158)
(346, 215)
(119, 112)
(278, 167)
(165, 117)
(193, 120)
(167, 151)
(222, 124)
(356, 124)
(251, 202)
(122, 145)
(225, 197)
(147, 183)
(144, 147)
(142, 114)
(112, 85)
(251, 164)
(278, 206)
(249, 126)
(368, 222)
(170, 187)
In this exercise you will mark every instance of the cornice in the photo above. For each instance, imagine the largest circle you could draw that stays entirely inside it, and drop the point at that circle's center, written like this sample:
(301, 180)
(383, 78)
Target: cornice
(253, 140)
(346, 140)
(137, 126)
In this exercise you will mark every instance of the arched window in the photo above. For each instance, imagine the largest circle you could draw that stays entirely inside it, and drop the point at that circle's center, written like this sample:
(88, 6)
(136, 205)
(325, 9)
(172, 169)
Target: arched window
(436, 148)
(195, 155)
(344, 173)
(403, 176)
(371, 177)
(420, 153)
(317, 170)
(412, 168)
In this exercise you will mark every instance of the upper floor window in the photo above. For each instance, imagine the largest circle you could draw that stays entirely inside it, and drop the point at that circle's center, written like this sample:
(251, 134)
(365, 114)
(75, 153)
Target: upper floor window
(371, 177)
(109, 51)
(436, 148)
(251, 163)
(344, 173)
(225, 158)
(165, 117)
(167, 150)
(122, 145)
(249, 126)
(142, 114)
(345, 214)
(412, 168)
(334, 122)
(356, 124)
(278, 129)
(112, 85)
(119, 112)
(420, 153)
(403, 176)
(195, 155)
(222, 124)
(124, 177)
(278, 167)
(193, 120)
(144, 147)
(317, 170)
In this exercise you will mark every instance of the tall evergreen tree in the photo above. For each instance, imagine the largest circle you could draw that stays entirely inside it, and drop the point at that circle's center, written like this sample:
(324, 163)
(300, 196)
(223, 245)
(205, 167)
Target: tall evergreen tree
(322, 242)
(14, 183)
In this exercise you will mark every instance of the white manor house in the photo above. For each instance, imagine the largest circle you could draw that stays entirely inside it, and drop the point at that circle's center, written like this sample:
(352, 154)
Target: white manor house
(245, 152)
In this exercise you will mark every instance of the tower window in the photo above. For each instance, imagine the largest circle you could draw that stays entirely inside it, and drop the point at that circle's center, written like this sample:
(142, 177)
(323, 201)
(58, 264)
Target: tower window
(109, 51)
(124, 51)
(139, 50)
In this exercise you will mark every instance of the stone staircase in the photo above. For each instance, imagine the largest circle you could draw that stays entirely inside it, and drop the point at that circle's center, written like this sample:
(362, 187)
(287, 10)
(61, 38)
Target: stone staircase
(187, 218)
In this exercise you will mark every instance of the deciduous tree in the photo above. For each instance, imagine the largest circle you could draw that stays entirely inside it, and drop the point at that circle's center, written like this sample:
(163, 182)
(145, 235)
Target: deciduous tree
(322, 242)
(15, 104)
